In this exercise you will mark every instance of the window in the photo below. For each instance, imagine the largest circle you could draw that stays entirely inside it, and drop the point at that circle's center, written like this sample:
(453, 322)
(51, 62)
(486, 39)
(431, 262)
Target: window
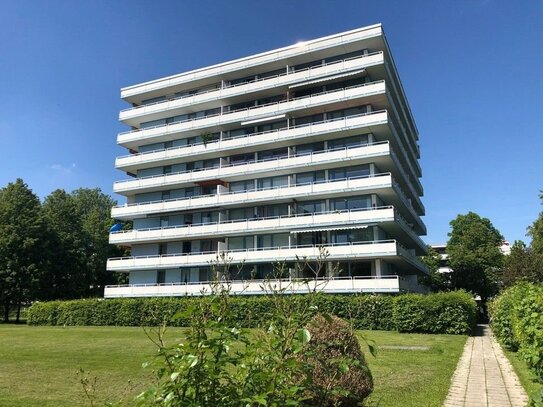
(357, 202)
(304, 149)
(310, 207)
(242, 158)
(307, 120)
(352, 236)
(348, 142)
(241, 242)
(271, 154)
(277, 240)
(164, 220)
(167, 169)
(161, 277)
(272, 126)
(241, 186)
(272, 210)
(309, 177)
(273, 182)
(349, 172)
(312, 238)
(242, 213)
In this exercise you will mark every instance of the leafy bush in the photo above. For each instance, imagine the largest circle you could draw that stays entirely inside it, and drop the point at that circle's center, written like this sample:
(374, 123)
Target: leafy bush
(452, 313)
(501, 311)
(517, 321)
(338, 368)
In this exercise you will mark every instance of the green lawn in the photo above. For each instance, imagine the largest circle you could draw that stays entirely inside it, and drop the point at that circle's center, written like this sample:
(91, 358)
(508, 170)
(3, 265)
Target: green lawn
(413, 377)
(38, 365)
(525, 375)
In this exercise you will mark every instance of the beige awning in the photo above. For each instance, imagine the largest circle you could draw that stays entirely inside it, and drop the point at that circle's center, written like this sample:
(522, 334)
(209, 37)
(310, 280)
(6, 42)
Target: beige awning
(328, 78)
(325, 229)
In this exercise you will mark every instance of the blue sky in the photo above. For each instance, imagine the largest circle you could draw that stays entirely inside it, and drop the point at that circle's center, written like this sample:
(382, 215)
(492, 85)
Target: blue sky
(472, 71)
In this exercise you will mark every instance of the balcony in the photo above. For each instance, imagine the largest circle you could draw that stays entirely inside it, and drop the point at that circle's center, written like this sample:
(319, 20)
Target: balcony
(387, 249)
(288, 223)
(132, 138)
(134, 115)
(341, 127)
(331, 158)
(383, 284)
(286, 193)
(383, 184)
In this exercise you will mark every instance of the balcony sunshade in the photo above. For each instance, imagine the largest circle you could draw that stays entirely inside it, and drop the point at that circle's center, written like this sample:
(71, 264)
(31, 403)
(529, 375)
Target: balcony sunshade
(264, 119)
(329, 228)
(328, 78)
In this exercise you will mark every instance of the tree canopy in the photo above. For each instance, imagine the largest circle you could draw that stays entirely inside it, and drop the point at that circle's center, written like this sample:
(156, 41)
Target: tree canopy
(474, 254)
(535, 231)
(54, 250)
(22, 257)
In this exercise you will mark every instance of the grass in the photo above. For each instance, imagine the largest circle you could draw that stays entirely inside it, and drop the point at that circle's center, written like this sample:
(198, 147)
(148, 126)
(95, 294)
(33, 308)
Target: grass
(39, 365)
(413, 377)
(525, 375)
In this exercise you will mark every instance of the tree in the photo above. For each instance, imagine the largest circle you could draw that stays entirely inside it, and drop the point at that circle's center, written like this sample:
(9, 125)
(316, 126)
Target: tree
(94, 210)
(21, 245)
(522, 264)
(435, 280)
(535, 231)
(474, 255)
(66, 274)
(79, 226)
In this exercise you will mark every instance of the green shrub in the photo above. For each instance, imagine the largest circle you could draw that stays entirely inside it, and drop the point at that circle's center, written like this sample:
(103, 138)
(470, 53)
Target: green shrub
(452, 313)
(517, 322)
(528, 328)
(339, 374)
(501, 312)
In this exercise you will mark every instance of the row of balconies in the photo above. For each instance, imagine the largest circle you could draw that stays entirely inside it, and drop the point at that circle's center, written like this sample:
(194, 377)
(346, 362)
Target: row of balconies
(331, 128)
(383, 184)
(380, 153)
(132, 116)
(327, 46)
(369, 284)
(132, 138)
(386, 249)
(277, 224)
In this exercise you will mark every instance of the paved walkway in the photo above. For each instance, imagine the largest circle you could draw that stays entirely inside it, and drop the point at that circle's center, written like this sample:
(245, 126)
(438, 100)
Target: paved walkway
(484, 376)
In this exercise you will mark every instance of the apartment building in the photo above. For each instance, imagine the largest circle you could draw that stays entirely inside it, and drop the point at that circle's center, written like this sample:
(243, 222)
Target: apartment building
(267, 159)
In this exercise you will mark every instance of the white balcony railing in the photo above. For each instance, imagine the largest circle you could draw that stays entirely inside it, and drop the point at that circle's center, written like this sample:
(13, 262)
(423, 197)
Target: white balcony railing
(255, 139)
(335, 251)
(270, 82)
(252, 113)
(314, 189)
(370, 284)
(276, 224)
(345, 155)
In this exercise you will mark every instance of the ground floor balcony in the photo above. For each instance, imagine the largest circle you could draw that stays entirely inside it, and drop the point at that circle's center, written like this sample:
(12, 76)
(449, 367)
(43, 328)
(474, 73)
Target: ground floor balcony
(390, 250)
(336, 285)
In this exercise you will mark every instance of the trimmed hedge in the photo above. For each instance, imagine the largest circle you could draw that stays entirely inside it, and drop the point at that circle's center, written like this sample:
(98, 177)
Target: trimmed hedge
(451, 313)
(517, 322)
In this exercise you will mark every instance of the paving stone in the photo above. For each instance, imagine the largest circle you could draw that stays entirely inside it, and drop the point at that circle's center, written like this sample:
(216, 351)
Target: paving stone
(484, 377)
